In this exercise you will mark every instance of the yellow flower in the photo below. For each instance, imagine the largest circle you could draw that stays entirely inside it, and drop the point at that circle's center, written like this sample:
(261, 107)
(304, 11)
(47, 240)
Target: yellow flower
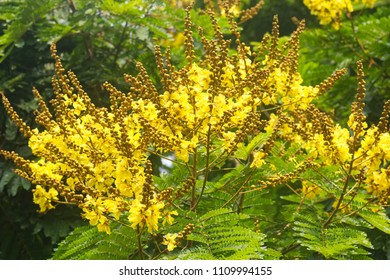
(378, 182)
(99, 220)
(178, 40)
(340, 142)
(104, 224)
(92, 216)
(369, 3)
(182, 154)
(200, 76)
(384, 145)
(170, 241)
(141, 215)
(136, 216)
(258, 159)
(168, 217)
(44, 198)
(273, 119)
(228, 138)
(78, 106)
(113, 206)
(310, 190)
(153, 214)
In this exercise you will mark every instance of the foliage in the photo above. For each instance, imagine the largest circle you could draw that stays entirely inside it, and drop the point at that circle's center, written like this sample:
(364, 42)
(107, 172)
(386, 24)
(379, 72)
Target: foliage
(86, 243)
(363, 36)
(253, 169)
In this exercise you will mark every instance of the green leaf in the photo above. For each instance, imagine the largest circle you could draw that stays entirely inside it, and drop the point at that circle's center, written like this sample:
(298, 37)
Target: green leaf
(14, 185)
(86, 242)
(78, 243)
(334, 242)
(28, 106)
(119, 245)
(7, 176)
(129, 8)
(378, 220)
(244, 151)
(221, 234)
(142, 33)
(11, 130)
(197, 253)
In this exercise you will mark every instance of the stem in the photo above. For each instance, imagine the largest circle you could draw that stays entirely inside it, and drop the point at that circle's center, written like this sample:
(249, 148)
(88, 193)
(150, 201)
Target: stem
(239, 192)
(86, 36)
(342, 194)
(72, 5)
(290, 248)
(139, 243)
(240, 203)
(353, 27)
(121, 40)
(207, 169)
(362, 207)
(194, 174)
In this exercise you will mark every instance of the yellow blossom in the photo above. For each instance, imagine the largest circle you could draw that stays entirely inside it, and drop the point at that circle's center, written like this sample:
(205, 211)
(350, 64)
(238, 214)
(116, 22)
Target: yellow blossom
(340, 142)
(78, 106)
(258, 159)
(378, 182)
(136, 216)
(92, 216)
(170, 241)
(310, 190)
(113, 206)
(149, 215)
(384, 145)
(369, 3)
(168, 217)
(228, 137)
(97, 158)
(153, 214)
(44, 198)
(104, 225)
(182, 154)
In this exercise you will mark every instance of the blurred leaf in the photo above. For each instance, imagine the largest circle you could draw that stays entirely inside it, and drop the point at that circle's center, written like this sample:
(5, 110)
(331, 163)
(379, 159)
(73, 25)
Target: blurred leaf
(28, 106)
(13, 185)
(25, 184)
(11, 130)
(6, 177)
(142, 33)
(128, 8)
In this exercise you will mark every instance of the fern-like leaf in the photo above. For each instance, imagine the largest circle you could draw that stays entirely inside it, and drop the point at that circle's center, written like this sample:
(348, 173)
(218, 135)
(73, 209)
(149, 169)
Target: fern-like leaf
(119, 245)
(196, 253)
(79, 242)
(86, 243)
(334, 242)
(378, 220)
(222, 234)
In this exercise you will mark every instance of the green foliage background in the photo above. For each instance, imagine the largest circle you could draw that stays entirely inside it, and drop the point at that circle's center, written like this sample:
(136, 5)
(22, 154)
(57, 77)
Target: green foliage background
(101, 40)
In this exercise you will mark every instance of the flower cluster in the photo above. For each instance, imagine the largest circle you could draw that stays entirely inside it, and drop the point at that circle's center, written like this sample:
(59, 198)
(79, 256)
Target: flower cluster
(331, 11)
(91, 157)
(97, 158)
